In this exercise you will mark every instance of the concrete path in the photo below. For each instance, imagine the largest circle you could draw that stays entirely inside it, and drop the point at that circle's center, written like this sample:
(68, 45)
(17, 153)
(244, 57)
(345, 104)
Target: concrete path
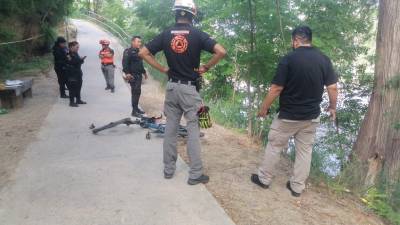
(71, 177)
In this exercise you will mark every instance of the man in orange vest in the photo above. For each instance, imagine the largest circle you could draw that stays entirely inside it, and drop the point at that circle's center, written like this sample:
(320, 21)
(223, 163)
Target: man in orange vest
(107, 64)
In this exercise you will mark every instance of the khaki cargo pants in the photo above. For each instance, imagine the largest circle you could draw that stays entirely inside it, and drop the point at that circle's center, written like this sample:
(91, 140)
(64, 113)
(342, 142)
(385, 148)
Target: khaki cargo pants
(182, 99)
(280, 133)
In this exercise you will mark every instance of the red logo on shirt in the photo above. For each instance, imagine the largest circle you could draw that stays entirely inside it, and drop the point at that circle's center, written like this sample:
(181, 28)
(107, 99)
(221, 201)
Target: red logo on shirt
(179, 44)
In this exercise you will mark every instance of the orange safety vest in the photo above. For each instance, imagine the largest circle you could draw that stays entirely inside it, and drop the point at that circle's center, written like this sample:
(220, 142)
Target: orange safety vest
(106, 59)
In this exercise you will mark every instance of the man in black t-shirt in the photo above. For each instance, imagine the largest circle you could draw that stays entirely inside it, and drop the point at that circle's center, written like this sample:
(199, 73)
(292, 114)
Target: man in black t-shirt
(182, 45)
(299, 83)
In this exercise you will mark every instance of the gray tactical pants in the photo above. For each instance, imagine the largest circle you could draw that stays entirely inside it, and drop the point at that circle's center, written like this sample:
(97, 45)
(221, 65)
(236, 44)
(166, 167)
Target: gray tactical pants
(183, 100)
(108, 72)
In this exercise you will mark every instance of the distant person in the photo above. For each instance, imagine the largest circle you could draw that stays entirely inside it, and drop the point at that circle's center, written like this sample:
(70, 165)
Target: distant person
(60, 51)
(134, 71)
(182, 45)
(74, 74)
(299, 83)
(106, 56)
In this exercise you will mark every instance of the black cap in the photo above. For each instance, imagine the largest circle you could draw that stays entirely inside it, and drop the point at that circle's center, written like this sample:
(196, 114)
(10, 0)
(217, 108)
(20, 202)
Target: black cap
(61, 40)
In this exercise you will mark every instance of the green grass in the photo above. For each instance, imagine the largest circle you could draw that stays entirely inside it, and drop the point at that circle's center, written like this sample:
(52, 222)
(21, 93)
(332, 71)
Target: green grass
(32, 66)
(378, 202)
(35, 64)
(228, 114)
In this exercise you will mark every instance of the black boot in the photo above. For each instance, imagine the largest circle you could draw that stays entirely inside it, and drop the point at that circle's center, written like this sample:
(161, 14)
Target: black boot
(140, 111)
(168, 176)
(73, 104)
(80, 102)
(135, 113)
(255, 179)
(294, 194)
(62, 93)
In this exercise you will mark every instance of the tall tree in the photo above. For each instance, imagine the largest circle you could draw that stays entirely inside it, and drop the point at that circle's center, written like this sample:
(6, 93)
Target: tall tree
(252, 42)
(378, 144)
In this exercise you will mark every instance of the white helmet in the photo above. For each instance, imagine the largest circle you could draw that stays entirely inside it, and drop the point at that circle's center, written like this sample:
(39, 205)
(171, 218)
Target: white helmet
(185, 5)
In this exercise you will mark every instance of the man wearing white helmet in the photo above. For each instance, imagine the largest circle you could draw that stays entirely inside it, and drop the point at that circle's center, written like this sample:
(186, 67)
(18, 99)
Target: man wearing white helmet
(182, 45)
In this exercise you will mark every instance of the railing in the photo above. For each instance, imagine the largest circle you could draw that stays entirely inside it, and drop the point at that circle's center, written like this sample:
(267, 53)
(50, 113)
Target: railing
(107, 24)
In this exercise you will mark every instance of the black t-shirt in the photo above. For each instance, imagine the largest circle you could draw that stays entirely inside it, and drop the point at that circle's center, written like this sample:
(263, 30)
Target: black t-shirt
(74, 65)
(303, 73)
(182, 45)
(132, 63)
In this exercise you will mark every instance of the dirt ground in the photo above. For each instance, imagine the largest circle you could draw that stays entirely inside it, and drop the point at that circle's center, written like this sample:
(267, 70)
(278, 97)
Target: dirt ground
(230, 157)
(19, 127)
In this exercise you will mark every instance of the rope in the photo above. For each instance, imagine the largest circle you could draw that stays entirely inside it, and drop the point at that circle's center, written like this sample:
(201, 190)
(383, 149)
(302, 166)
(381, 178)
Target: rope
(25, 40)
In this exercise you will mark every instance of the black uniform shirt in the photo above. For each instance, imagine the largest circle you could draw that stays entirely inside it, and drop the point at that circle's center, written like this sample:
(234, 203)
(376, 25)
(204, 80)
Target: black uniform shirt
(74, 66)
(303, 73)
(60, 57)
(182, 45)
(132, 63)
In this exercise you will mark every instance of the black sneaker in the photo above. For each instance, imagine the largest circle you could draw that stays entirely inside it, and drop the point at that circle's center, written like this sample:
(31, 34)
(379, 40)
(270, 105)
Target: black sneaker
(80, 102)
(168, 176)
(73, 105)
(255, 179)
(112, 90)
(64, 96)
(203, 179)
(107, 88)
(294, 194)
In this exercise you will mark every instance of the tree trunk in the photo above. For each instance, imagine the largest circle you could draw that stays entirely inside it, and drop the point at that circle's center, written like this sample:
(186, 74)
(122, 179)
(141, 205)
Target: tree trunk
(250, 70)
(236, 74)
(378, 143)
(278, 12)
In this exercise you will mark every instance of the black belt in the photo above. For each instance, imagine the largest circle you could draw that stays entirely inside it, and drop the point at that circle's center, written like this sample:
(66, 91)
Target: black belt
(187, 82)
(108, 64)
